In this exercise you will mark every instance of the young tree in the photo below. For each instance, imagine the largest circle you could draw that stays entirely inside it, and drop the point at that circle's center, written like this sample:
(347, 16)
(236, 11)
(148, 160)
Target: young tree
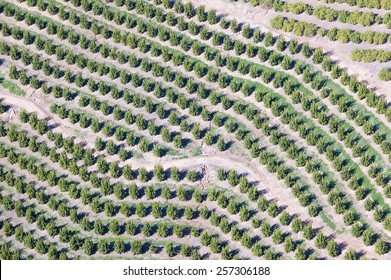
(150, 192)
(136, 247)
(297, 225)
(320, 240)
(350, 255)
(114, 227)
(170, 250)
(119, 246)
(368, 237)
(159, 172)
(192, 175)
(289, 245)
(333, 248)
(147, 229)
(285, 218)
(381, 247)
(300, 253)
(103, 246)
(143, 175)
(88, 247)
(277, 237)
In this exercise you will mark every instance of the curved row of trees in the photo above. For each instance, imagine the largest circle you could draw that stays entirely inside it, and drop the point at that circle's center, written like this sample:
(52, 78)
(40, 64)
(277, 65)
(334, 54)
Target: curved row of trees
(327, 65)
(73, 153)
(342, 72)
(88, 244)
(331, 15)
(96, 205)
(220, 199)
(302, 28)
(378, 4)
(270, 99)
(368, 55)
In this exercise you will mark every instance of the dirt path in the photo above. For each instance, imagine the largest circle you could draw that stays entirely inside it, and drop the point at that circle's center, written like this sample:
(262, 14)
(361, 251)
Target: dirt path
(30, 105)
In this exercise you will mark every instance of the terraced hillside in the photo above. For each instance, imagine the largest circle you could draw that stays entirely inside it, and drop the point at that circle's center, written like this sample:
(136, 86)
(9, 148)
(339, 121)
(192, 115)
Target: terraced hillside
(136, 129)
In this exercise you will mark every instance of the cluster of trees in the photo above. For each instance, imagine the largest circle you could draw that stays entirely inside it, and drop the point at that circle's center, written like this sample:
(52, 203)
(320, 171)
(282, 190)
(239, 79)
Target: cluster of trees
(301, 28)
(362, 91)
(296, 8)
(263, 204)
(378, 4)
(157, 210)
(354, 17)
(78, 153)
(348, 171)
(369, 36)
(370, 55)
(77, 242)
(177, 141)
(355, 86)
(26, 237)
(273, 210)
(271, 165)
(330, 14)
(234, 207)
(266, 4)
(147, 84)
(106, 108)
(109, 128)
(9, 253)
(71, 164)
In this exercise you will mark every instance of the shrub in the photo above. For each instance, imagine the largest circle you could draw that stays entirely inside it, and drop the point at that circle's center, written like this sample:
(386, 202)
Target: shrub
(385, 74)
